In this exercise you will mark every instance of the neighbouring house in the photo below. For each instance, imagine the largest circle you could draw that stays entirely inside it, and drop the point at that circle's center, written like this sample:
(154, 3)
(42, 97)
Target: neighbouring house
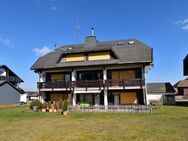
(182, 87)
(9, 87)
(162, 93)
(32, 96)
(98, 73)
(29, 96)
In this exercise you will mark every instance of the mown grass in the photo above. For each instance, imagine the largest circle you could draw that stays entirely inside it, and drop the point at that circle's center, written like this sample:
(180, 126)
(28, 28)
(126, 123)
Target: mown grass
(166, 123)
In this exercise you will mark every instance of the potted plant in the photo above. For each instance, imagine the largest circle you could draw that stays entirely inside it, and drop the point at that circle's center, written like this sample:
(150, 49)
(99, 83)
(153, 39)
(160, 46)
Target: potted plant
(53, 106)
(35, 105)
(39, 107)
(50, 106)
(65, 105)
(44, 106)
(58, 106)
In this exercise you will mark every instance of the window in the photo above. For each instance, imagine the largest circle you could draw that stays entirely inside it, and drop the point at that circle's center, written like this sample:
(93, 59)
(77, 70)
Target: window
(90, 75)
(67, 77)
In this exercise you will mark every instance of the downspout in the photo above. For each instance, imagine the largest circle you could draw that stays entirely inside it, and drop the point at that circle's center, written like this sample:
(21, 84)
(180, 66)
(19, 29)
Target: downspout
(145, 88)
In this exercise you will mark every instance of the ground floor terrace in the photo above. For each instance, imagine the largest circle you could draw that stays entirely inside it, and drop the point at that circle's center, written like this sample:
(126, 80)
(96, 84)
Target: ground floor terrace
(96, 98)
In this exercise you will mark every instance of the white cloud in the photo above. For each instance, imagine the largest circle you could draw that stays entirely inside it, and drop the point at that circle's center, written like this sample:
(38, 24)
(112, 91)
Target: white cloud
(53, 8)
(183, 24)
(185, 27)
(41, 51)
(5, 41)
(185, 21)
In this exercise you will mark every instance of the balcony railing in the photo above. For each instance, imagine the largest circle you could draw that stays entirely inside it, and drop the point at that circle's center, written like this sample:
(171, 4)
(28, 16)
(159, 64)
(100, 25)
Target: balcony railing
(99, 84)
(10, 78)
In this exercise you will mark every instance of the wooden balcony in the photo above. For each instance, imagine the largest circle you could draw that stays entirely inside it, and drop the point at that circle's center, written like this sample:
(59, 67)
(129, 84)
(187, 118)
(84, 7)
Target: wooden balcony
(10, 79)
(91, 85)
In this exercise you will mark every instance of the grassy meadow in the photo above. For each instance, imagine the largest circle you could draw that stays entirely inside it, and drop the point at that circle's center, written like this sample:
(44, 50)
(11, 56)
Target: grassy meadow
(166, 123)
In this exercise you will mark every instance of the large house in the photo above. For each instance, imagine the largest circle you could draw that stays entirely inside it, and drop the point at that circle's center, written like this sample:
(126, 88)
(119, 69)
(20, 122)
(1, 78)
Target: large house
(9, 87)
(182, 87)
(100, 73)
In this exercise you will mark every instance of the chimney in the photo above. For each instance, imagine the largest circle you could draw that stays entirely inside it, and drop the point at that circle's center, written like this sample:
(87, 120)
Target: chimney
(90, 41)
(92, 31)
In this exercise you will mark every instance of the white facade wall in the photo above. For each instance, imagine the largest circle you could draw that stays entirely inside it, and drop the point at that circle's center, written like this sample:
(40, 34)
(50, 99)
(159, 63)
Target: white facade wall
(158, 97)
(3, 72)
(153, 97)
(42, 77)
(23, 98)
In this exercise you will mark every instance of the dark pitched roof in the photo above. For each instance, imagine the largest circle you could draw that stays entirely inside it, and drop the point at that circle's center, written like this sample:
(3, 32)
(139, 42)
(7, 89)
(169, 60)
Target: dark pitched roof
(21, 91)
(33, 94)
(125, 52)
(182, 83)
(13, 74)
(160, 88)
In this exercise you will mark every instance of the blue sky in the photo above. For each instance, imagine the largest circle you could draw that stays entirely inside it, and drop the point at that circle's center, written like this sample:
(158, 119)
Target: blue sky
(30, 28)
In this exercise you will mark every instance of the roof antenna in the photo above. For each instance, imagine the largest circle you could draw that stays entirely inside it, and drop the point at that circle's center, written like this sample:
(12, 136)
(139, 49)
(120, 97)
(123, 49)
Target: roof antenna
(77, 30)
(92, 31)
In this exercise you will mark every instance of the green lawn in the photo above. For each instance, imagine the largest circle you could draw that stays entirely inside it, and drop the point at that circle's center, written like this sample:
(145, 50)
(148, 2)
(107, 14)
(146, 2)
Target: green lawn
(167, 123)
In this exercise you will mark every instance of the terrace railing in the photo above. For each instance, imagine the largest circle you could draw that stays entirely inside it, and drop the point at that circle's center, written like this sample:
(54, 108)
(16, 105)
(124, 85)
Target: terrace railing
(112, 108)
(99, 84)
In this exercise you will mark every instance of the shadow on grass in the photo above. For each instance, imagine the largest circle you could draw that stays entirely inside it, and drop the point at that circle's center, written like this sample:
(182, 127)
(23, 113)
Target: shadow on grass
(182, 103)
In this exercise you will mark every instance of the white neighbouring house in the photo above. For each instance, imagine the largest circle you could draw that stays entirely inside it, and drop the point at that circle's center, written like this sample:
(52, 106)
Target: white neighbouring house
(162, 93)
(29, 96)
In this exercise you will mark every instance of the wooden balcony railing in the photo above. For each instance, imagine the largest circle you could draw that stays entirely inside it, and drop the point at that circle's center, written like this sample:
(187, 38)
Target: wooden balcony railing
(124, 83)
(100, 84)
(10, 78)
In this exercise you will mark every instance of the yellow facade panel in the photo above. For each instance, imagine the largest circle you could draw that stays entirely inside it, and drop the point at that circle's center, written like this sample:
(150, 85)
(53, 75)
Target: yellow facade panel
(128, 98)
(57, 76)
(74, 57)
(123, 74)
(127, 74)
(115, 75)
(99, 56)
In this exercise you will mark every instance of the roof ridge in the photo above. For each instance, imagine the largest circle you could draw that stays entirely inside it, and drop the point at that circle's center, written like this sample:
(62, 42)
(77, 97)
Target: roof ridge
(98, 42)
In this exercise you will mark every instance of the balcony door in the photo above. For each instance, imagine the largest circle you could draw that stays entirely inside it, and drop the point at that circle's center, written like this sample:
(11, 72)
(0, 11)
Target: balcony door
(124, 74)
(67, 77)
(90, 75)
(88, 98)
